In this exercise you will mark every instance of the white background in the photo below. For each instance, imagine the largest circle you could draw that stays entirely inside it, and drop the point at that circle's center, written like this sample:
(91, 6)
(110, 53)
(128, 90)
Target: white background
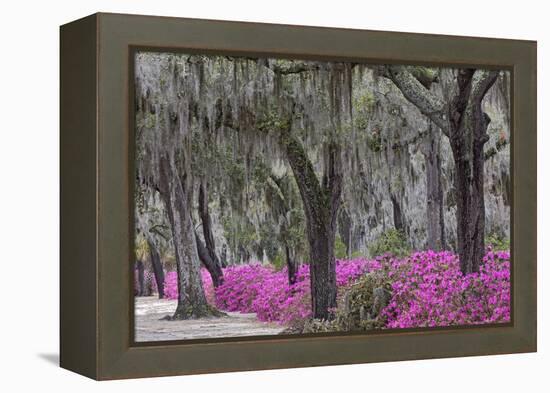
(29, 196)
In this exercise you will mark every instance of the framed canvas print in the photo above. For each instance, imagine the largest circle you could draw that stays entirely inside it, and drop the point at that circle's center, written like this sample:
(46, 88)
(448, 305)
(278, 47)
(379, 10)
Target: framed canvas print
(241, 196)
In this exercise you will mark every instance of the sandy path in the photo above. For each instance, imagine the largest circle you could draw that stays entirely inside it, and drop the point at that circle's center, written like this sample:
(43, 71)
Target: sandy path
(149, 327)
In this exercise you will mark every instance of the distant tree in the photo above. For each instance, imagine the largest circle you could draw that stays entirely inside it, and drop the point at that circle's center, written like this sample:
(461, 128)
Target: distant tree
(156, 263)
(280, 196)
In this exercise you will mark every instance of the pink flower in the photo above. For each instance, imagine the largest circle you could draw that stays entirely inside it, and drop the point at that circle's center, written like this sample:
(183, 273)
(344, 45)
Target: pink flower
(428, 290)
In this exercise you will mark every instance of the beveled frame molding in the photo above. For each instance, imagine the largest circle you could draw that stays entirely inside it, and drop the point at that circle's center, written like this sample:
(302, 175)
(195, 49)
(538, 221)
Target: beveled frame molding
(97, 209)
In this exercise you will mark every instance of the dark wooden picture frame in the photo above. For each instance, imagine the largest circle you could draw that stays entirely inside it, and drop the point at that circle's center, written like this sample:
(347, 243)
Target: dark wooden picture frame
(97, 205)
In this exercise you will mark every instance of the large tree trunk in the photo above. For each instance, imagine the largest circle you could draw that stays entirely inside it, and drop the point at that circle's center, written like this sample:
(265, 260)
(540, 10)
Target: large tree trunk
(321, 202)
(213, 267)
(176, 195)
(158, 271)
(204, 214)
(322, 266)
(470, 211)
(468, 135)
(434, 191)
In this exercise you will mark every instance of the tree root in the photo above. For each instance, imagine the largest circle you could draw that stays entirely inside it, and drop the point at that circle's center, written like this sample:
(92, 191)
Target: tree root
(194, 312)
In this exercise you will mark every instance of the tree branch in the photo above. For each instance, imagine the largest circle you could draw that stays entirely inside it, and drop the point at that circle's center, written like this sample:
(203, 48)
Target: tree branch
(273, 183)
(426, 76)
(295, 67)
(427, 102)
(304, 173)
(482, 81)
(401, 144)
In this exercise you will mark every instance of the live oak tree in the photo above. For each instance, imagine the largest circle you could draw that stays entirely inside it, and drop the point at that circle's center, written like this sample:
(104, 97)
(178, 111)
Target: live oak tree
(285, 115)
(321, 199)
(322, 110)
(461, 118)
(164, 152)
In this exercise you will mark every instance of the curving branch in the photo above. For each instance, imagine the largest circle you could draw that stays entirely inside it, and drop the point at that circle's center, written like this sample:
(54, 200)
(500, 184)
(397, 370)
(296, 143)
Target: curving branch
(306, 179)
(415, 92)
(482, 80)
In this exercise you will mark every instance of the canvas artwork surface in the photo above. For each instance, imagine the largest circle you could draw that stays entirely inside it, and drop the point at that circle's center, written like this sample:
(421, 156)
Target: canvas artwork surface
(285, 196)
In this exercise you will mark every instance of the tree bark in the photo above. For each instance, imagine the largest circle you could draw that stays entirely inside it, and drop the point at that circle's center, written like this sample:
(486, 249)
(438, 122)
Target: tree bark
(291, 265)
(140, 278)
(344, 226)
(176, 195)
(204, 214)
(213, 268)
(434, 191)
(468, 136)
(321, 202)
(224, 256)
(158, 271)
(464, 122)
(397, 214)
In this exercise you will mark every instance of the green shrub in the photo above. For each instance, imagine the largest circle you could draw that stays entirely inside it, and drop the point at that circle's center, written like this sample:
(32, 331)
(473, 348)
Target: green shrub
(340, 251)
(361, 306)
(497, 243)
(359, 309)
(392, 241)
(279, 261)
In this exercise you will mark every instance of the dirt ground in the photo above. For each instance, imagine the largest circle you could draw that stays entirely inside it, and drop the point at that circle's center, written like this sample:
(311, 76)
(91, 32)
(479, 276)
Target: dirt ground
(149, 327)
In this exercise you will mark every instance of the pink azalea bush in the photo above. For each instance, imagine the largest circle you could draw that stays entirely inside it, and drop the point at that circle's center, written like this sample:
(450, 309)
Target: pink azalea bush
(171, 285)
(428, 290)
(268, 294)
(242, 285)
(260, 289)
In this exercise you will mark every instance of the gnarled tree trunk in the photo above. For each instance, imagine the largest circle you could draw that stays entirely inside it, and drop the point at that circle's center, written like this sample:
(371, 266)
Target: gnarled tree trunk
(207, 250)
(176, 195)
(321, 201)
(213, 268)
(468, 135)
(206, 221)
